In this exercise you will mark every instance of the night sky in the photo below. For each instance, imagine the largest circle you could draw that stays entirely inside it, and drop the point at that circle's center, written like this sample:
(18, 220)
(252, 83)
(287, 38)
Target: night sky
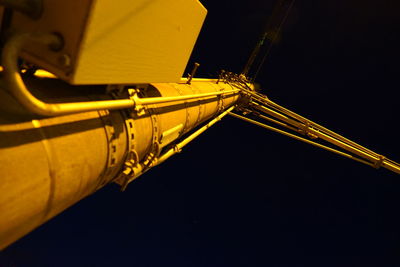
(242, 196)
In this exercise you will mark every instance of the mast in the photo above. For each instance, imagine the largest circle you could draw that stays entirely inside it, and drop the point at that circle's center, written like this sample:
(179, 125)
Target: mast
(64, 136)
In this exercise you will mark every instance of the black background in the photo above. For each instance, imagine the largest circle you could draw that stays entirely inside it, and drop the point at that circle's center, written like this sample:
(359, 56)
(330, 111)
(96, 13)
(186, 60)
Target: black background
(242, 196)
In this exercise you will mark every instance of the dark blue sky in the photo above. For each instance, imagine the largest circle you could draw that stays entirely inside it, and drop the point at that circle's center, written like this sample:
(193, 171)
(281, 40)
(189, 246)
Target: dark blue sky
(242, 196)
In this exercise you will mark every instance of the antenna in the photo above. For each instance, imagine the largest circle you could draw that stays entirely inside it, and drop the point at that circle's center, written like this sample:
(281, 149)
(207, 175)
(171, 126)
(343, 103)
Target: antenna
(267, 39)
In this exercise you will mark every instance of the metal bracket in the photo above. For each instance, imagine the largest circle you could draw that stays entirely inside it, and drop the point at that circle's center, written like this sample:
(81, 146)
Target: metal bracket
(112, 146)
(220, 102)
(151, 158)
(132, 168)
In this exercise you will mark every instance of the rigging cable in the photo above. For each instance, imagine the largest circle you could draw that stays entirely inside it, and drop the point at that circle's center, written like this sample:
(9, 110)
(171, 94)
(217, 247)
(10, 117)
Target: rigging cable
(273, 41)
(260, 106)
(273, 28)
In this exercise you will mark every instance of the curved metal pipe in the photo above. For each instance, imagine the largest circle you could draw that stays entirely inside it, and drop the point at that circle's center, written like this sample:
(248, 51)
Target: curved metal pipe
(17, 86)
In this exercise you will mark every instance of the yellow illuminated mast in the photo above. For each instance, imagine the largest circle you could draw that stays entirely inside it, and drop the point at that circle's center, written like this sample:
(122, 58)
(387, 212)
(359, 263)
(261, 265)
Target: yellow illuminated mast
(61, 140)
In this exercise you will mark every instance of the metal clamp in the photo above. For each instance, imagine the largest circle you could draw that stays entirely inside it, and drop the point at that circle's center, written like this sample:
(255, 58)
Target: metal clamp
(133, 94)
(220, 103)
(151, 158)
(306, 131)
(132, 168)
(104, 115)
(379, 162)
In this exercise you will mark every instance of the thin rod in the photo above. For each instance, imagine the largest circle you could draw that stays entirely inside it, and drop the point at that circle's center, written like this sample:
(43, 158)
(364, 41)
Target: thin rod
(265, 101)
(278, 115)
(364, 153)
(159, 100)
(313, 124)
(178, 147)
(301, 139)
(279, 123)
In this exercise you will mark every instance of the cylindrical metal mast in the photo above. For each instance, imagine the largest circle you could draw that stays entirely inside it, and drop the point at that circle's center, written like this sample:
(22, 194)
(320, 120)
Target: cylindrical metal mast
(48, 164)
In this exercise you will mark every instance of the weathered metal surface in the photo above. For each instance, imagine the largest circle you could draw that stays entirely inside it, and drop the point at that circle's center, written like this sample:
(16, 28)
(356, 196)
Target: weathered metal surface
(48, 164)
